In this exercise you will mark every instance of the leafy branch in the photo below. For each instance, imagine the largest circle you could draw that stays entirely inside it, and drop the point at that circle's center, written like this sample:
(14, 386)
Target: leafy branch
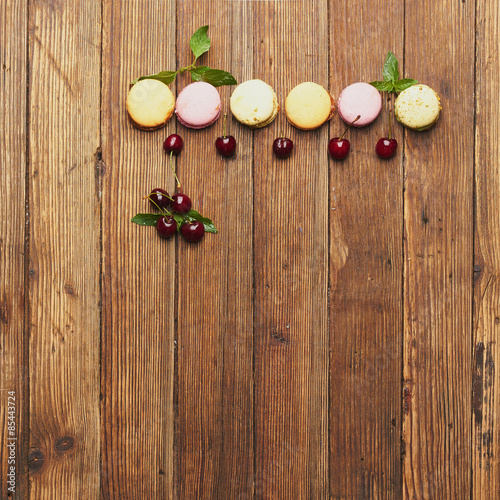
(200, 44)
(390, 75)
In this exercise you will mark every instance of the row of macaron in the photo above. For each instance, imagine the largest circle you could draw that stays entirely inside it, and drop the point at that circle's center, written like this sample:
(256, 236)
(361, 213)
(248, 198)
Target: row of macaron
(150, 104)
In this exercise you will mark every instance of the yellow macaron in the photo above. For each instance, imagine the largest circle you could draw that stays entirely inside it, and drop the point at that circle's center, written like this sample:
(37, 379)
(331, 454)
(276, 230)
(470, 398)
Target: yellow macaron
(308, 106)
(417, 107)
(254, 103)
(150, 104)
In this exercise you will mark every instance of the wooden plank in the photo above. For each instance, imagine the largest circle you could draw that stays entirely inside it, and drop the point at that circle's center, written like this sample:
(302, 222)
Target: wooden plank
(13, 341)
(366, 211)
(439, 51)
(138, 268)
(291, 263)
(64, 248)
(486, 321)
(214, 435)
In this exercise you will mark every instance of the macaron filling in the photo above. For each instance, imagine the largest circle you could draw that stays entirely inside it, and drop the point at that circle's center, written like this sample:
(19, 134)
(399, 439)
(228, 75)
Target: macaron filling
(198, 105)
(359, 99)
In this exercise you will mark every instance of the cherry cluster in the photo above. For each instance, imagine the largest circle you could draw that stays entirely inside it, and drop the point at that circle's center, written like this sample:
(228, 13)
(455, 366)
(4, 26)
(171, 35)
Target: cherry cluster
(179, 203)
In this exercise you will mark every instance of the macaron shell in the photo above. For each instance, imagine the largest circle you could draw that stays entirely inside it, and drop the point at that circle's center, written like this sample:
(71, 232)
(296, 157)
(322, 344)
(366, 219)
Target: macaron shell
(254, 103)
(150, 104)
(417, 107)
(198, 105)
(272, 117)
(308, 106)
(359, 99)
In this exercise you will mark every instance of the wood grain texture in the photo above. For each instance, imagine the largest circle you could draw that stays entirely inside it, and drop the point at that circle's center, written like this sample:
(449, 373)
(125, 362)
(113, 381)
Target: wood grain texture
(13, 341)
(137, 358)
(337, 339)
(439, 43)
(291, 263)
(366, 211)
(64, 249)
(486, 321)
(214, 432)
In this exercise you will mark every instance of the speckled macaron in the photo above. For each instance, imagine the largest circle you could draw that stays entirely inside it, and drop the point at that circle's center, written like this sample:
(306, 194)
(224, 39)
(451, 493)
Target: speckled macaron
(308, 106)
(198, 105)
(150, 104)
(417, 107)
(254, 103)
(359, 99)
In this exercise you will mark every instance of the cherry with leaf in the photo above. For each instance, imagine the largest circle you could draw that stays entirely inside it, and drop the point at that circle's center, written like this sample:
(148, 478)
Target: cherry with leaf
(386, 146)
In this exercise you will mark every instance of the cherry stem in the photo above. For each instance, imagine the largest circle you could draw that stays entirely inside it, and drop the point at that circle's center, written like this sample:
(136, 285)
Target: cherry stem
(173, 170)
(224, 126)
(162, 210)
(147, 197)
(390, 128)
(349, 126)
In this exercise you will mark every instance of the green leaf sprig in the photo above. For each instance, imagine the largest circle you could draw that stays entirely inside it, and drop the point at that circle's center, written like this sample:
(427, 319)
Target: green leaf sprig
(192, 215)
(199, 43)
(390, 74)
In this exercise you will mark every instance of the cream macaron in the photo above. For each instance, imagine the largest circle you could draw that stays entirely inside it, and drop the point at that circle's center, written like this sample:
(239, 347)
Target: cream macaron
(308, 106)
(150, 104)
(254, 103)
(417, 107)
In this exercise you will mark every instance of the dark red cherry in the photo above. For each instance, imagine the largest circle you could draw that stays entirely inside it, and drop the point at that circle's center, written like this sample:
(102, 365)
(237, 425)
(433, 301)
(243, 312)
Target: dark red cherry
(159, 198)
(173, 144)
(339, 148)
(193, 231)
(282, 147)
(226, 146)
(386, 148)
(166, 227)
(181, 203)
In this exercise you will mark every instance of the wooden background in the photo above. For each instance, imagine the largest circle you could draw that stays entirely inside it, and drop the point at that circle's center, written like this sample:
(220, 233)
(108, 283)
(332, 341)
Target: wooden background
(336, 339)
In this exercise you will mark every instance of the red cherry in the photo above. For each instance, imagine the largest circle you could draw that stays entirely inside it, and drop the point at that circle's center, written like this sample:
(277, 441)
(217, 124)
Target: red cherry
(282, 147)
(173, 144)
(193, 231)
(166, 227)
(386, 148)
(181, 203)
(226, 146)
(159, 198)
(339, 148)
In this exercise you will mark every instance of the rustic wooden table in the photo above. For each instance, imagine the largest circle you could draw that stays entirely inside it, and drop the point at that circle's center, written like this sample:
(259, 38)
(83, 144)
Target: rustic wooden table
(336, 339)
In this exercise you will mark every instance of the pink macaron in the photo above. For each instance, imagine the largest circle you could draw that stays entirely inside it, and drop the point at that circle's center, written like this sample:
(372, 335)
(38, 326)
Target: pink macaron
(198, 105)
(360, 99)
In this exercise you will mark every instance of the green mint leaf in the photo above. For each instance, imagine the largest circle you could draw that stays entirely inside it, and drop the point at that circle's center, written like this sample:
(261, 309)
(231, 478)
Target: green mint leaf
(215, 77)
(390, 72)
(197, 73)
(403, 84)
(200, 43)
(146, 219)
(179, 219)
(383, 86)
(165, 77)
(209, 225)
